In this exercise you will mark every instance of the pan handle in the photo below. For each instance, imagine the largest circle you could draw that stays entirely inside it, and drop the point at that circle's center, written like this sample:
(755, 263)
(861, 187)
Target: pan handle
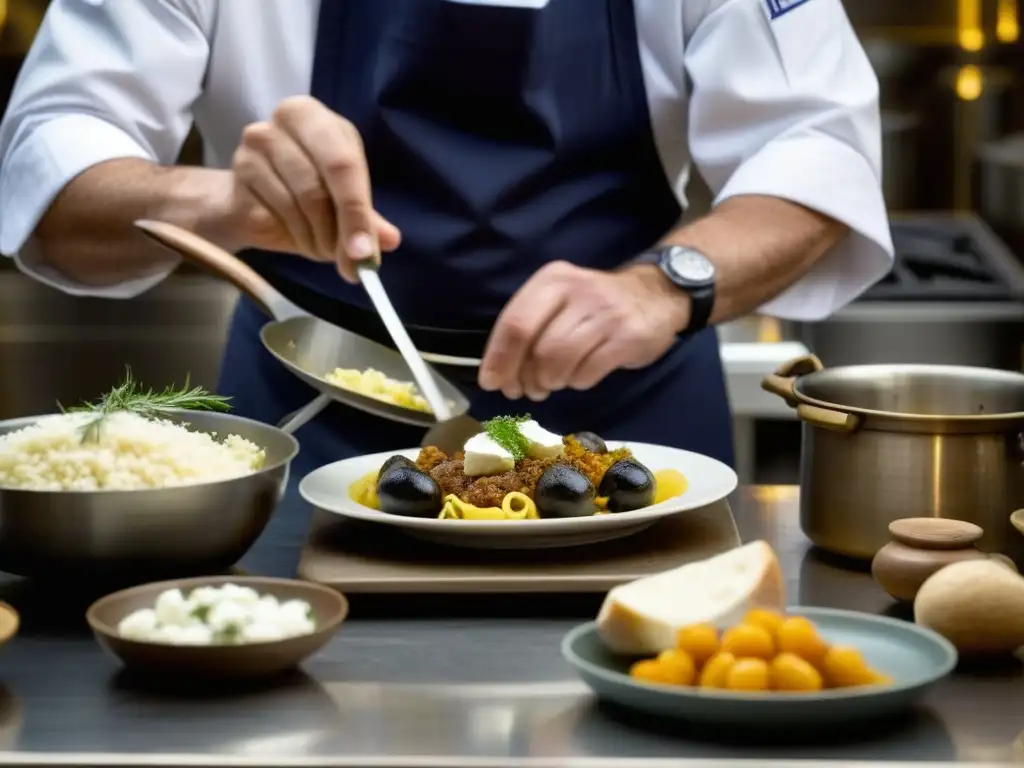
(297, 418)
(783, 381)
(201, 252)
(825, 418)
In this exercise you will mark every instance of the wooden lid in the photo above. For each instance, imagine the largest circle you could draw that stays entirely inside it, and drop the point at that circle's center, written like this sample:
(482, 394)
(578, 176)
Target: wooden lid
(935, 532)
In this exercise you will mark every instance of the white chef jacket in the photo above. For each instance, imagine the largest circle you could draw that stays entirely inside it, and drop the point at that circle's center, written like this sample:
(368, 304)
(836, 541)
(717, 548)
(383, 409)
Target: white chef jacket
(767, 97)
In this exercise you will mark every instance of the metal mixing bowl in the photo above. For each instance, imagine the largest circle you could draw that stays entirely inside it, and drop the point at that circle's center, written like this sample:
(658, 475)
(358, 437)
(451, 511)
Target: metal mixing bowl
(186, 530)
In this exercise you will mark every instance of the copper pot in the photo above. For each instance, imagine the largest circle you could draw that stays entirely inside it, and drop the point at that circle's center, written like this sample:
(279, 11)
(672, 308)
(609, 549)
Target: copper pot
(885, 442)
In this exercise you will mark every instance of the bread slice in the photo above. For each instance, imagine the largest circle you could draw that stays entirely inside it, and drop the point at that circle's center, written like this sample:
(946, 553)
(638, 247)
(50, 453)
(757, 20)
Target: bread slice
(643, 617)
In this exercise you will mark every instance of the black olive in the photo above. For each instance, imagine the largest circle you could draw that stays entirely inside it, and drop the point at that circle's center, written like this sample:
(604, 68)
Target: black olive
(563, 491)
(408, 491)
(397, 459)
(627, 485)
(591, 442)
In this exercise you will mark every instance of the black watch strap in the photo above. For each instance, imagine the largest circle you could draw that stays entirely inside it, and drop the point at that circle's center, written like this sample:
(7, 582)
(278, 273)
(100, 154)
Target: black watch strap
(702, 302)
(702, 294)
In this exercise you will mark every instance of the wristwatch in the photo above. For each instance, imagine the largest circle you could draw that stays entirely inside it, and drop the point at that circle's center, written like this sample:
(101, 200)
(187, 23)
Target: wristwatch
(690, 271)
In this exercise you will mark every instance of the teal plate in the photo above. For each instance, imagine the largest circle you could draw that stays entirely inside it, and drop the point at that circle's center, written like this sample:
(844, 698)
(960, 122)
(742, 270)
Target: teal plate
(912, 656)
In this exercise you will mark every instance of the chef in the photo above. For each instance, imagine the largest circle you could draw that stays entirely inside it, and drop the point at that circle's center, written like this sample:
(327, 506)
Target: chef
(522, 165)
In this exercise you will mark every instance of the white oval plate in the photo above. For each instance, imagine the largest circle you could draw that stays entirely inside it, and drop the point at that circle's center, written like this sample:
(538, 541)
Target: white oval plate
(709, 481)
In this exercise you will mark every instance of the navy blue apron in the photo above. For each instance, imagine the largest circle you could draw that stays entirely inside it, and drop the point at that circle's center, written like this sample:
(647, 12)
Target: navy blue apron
(498, 139)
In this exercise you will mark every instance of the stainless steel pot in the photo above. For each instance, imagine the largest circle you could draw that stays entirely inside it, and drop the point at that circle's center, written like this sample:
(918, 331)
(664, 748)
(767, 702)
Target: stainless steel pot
(142, 534)
(883, 442)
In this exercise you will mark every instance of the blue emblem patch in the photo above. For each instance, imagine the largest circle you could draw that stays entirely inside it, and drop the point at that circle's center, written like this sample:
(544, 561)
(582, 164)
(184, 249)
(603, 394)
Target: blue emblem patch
(779, 8)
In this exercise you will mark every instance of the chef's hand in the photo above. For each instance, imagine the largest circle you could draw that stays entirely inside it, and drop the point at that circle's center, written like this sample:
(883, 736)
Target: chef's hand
(303, 184)
(569, 327)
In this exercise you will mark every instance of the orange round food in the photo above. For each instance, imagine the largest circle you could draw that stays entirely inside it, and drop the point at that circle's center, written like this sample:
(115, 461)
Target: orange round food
(799, 635)
(748, 640)
(698, 640)
(649, 671)
(716, 671)
(677, 667)
(765, 618)
(845, 667)
(748, 675)
(792, 673)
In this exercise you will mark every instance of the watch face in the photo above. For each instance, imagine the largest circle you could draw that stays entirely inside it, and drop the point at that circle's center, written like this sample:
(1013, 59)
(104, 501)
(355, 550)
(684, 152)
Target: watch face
(691, 266)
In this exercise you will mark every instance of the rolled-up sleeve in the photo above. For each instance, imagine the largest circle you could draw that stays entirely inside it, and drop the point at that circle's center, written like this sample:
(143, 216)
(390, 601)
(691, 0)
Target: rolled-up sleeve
(104, 79)
(785, 103)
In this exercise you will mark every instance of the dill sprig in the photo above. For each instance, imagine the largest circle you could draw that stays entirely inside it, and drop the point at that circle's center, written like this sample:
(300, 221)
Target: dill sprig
(504, 430)
(130, 397)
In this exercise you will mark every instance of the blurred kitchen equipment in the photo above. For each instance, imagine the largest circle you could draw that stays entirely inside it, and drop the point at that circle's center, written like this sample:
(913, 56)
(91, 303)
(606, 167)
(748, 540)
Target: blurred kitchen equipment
(68, 349)
(885, 442)
(955, 296)
(424, 379)
(890, 59)
(893, 63)
(968, 103)
(309, 347)
(899, 159)
(907, 19)
(1001, 187)
(184, 530)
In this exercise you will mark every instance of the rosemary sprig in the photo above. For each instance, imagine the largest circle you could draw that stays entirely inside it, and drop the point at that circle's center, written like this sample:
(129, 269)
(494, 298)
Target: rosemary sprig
(129, 396)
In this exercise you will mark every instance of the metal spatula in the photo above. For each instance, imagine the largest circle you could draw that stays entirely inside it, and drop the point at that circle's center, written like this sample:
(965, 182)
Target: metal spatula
(452, 431)
(370, 279)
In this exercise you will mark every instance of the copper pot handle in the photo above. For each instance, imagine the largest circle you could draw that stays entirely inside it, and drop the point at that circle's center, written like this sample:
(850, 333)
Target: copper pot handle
(783, 381)
(837, 421)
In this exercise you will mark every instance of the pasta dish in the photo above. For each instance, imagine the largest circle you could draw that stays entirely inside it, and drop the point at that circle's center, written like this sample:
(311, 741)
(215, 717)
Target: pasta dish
(517, 470)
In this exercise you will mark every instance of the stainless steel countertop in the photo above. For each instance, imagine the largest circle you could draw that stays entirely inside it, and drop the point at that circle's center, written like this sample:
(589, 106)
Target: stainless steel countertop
(445, 682)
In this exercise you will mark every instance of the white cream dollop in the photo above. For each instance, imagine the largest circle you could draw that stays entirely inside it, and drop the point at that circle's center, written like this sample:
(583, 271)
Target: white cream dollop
(541, 444)
(484, 456)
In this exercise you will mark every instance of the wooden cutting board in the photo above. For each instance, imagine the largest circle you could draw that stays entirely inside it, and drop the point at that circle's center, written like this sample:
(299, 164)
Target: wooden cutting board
(356, 557)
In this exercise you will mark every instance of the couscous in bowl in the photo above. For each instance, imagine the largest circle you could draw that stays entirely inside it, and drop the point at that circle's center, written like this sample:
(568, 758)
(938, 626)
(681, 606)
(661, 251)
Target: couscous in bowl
(188, 529)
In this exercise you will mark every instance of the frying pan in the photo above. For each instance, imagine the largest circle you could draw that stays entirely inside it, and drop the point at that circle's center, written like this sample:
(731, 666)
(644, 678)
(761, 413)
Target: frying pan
(311, 348)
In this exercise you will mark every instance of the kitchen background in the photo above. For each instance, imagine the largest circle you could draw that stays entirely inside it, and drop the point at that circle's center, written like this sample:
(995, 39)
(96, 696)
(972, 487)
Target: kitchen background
(952, 74)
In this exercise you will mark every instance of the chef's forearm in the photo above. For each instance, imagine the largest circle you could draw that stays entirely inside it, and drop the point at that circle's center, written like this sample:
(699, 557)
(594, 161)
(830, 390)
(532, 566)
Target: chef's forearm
(87, 233)
(760, 246)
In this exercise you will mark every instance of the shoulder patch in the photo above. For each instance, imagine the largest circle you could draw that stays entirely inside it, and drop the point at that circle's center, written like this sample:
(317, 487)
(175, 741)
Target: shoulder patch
(777, 8)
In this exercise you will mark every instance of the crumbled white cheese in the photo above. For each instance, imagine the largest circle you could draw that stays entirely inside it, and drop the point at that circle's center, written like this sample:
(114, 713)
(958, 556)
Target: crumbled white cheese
(230, 614)
(139, 625)
(172, 608)
(541, 443)
(486, 457)
(227, 616)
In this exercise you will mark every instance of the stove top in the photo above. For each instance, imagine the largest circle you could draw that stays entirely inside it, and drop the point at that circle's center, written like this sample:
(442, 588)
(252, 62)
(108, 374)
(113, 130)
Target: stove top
(949, 257)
